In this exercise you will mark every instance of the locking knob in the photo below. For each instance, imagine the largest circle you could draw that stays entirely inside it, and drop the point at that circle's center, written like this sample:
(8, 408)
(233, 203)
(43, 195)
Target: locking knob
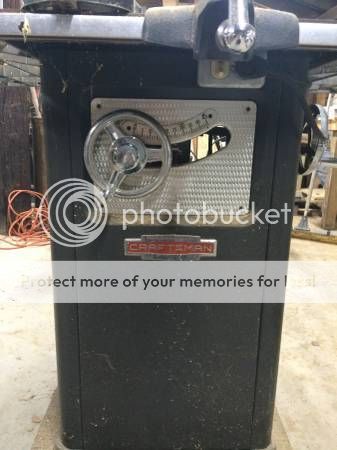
(237, 33)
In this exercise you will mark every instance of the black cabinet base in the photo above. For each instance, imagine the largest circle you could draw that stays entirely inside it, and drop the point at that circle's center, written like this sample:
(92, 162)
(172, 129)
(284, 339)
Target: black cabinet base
(215, 389)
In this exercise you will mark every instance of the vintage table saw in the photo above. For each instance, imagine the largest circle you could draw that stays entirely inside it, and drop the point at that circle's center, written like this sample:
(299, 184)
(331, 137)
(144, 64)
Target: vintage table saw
(126, 97)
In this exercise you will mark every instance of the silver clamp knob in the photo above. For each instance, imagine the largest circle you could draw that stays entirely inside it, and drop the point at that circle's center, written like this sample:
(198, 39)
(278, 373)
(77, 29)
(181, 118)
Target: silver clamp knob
(237, 33)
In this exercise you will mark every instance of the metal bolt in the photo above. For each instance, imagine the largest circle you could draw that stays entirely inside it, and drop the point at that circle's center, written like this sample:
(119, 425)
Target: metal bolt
(237, 33)
(236, 38)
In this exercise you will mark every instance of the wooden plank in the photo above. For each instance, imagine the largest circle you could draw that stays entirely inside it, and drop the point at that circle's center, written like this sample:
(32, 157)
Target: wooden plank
(321, 98)
(317, 194)
(49, 428)
(312, 236)
(332, 125)
(329, 210)
(40, 152)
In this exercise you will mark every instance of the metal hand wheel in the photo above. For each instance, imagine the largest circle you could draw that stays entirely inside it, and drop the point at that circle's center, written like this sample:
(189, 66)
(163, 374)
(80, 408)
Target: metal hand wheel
(313, 150)
(111, 156)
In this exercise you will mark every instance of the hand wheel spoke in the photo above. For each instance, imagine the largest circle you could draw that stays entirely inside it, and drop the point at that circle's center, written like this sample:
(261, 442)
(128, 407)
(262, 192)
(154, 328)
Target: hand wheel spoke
(113, 131)
(154, 154)
(114, 182)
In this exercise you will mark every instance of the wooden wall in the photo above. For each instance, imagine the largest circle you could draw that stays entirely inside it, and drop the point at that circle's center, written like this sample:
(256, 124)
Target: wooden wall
(13, 5)
(15, 160)
(15, 165)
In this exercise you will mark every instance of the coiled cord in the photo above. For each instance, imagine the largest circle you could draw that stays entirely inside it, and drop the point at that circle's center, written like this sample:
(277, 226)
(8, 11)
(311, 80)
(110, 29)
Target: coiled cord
(28, 228)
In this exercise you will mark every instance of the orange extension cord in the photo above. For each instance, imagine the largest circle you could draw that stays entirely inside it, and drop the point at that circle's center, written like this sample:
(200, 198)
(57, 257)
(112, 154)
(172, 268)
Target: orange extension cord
(25, 228)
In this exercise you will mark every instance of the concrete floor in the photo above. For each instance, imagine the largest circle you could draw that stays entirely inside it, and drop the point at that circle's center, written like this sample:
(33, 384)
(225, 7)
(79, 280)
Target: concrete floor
(27, 358)
(307, 383)
(307, 389)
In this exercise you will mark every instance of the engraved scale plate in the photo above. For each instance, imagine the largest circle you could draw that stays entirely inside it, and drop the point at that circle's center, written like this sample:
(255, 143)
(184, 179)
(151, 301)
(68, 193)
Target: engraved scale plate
(221, 182)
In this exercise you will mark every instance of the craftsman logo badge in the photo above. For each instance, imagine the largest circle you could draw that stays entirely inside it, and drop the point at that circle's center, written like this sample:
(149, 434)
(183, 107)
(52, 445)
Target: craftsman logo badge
(157, 247)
